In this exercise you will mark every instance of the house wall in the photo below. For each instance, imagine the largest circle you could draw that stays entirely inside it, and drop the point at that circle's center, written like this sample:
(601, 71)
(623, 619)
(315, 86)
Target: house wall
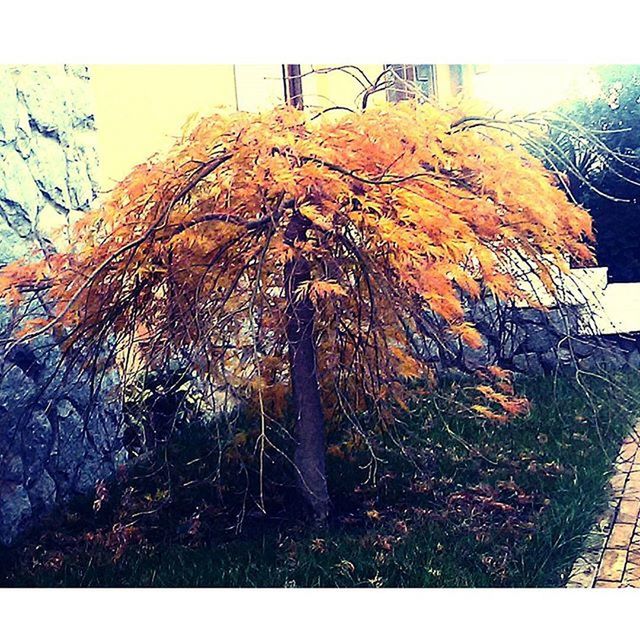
(140, 109)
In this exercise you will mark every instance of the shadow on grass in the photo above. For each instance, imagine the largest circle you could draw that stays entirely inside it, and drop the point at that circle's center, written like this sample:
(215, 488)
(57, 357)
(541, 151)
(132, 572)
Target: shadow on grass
(486, 505)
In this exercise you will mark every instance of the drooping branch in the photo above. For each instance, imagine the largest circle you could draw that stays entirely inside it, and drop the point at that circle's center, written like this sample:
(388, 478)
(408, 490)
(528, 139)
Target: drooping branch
(275, 250)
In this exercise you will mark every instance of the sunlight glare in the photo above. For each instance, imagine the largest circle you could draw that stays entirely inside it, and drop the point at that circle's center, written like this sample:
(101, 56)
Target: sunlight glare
(525, 88)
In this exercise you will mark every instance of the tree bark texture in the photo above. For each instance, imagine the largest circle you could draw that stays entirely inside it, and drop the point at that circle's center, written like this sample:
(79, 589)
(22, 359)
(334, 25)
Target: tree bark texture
(309, 428)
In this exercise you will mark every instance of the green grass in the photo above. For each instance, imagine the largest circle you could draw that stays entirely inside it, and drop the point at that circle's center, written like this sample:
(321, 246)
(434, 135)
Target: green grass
(495, 505)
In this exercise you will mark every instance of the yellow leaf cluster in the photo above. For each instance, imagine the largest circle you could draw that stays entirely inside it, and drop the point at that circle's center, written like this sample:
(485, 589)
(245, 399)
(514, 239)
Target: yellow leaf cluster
(405, 215)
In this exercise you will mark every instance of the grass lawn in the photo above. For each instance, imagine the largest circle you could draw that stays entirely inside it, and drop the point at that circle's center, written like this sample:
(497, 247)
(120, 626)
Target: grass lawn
(493, 505)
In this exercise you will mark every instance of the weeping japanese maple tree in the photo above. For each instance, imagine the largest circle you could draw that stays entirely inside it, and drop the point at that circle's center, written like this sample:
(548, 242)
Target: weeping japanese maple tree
(279, 252)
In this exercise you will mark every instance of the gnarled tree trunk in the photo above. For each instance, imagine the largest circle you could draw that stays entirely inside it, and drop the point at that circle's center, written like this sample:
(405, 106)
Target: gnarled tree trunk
(309, 431)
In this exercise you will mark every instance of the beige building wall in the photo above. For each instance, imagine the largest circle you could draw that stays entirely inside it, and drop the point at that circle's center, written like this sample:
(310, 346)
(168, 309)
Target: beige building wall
(140, 109)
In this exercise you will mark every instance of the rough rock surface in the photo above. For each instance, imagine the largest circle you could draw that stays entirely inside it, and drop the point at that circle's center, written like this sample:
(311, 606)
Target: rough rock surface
(530, 341)
(58, 433)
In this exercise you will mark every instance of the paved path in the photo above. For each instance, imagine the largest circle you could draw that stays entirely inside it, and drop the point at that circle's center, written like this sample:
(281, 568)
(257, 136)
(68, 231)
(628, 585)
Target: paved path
(612, 551)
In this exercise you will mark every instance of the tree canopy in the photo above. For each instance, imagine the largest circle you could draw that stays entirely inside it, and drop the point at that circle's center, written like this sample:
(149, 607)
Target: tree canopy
(277, 249)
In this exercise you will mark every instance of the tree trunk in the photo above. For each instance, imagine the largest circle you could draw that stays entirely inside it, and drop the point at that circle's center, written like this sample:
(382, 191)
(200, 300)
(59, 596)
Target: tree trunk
(309, 429)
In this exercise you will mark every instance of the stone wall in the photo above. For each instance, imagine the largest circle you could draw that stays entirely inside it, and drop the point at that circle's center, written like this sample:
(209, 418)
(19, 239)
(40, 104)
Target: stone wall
(530, 341)
(59, 433)
(48, 158)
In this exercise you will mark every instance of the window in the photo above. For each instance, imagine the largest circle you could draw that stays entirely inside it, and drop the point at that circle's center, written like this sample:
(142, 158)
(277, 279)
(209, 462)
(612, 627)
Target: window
(456, 73)
(426, 78)
(411, 81)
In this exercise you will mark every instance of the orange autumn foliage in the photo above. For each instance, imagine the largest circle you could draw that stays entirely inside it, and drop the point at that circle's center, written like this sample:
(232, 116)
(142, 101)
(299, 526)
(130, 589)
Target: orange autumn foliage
(407, 214)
